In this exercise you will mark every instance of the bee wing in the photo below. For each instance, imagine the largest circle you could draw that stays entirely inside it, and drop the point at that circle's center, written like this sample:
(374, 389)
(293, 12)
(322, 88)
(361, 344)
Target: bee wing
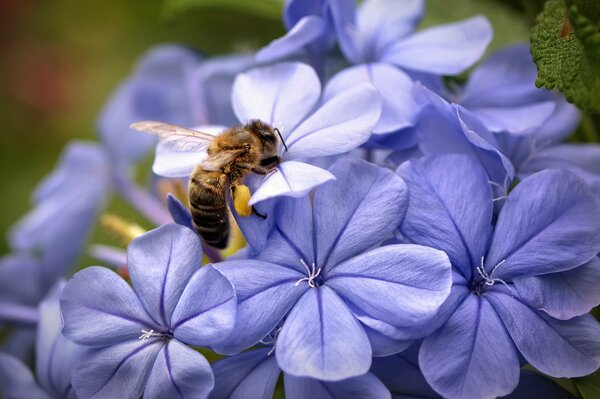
(216, 161)
(182, 139)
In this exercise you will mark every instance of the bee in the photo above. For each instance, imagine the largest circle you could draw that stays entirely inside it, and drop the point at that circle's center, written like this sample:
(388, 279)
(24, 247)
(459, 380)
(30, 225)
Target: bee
(231, 156)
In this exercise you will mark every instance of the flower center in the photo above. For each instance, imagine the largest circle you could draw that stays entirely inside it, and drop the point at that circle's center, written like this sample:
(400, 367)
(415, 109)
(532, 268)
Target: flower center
(147, 334)
(312, 274)
(486, 279)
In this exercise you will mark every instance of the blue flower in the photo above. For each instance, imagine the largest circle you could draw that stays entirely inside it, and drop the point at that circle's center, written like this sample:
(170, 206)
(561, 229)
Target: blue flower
(321, 268)
(54, 356)
(136, 339)
(380, 42)
(67, 203)
(401, 375)
(547, 225)
(286, 96)
(254, 374)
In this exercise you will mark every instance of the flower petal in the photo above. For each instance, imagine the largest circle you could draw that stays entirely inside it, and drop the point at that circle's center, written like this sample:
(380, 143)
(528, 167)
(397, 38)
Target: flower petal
(160, 263)
(515, 119)
(380, 23)
(401, 374)
(179, 212)
(403, 285)
(473, 346)
(306, 30)
(172, 161)
(21, 279)
(361, 209)
(179, 372)
(254, 371)
(563, 295)
(115, 371)
(321, 339)
(280, 94)
(445, 50)
(399, 108)
(383, 345)
(505, 79)
(450, 208)
(575, 343)
(16, 380)
(365, 387)
(535, 385)
(206, 311)
(293, 179)
(340, 125)
(99, 308)
(265, 292)
(548, 224)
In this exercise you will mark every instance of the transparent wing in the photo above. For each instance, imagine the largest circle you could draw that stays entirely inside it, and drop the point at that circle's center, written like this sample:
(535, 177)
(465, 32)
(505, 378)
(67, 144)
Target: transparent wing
(216, 161)
(181, 139)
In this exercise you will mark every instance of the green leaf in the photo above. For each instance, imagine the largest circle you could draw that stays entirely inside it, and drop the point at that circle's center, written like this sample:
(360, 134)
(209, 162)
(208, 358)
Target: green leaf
(565, 44)
(589, 387)
(263, 8)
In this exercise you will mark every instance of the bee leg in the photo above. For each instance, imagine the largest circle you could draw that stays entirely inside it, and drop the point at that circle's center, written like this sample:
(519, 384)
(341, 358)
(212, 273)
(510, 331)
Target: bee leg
(263, 171)
(263, 216)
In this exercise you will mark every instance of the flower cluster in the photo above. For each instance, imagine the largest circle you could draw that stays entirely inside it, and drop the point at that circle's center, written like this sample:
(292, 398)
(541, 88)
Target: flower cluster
(417, 237)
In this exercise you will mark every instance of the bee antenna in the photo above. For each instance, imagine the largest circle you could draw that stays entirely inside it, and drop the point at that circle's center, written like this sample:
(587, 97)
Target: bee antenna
(282, 140)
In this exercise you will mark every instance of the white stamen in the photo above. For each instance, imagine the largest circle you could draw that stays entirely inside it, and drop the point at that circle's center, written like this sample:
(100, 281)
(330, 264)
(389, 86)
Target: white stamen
(149, 334)
(488, 279)
(312, 275)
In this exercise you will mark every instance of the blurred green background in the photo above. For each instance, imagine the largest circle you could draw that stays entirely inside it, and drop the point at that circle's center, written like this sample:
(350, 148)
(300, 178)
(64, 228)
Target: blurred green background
(60, 60)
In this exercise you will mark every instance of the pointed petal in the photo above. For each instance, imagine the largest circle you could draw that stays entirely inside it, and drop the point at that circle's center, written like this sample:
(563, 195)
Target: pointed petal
(179, 212)
(160, 263)
(362, 208)
(99, 308)
(172, 161)
(265, 292)
(281, 94)
(293, 179)
(450, 208)
(403, 285)
(16, 380)
(253, 372)
(340, 125)
(575, 343)
(116, 371)
(206, 312)
(302, 33)
(548, 224)
(399, 108)
(475, 347)
(321, 339)
(365, 387)
(444, 50)
(179, 372)
(563, 295)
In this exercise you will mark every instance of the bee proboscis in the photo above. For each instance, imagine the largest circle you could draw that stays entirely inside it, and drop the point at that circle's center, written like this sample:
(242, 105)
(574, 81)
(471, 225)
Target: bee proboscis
(231, 156)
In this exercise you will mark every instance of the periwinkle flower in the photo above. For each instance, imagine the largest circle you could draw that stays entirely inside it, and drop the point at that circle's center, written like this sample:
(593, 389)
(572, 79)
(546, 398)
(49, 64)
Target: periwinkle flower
(322, 266)
(67, 203)
(286, 96)
(137, 338)
(548, 225)
(54, 356)
(381, 43)
(253, 375)
(401, 375)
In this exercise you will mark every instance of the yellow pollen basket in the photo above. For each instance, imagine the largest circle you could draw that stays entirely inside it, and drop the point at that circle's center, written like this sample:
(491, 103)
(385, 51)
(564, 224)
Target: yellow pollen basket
(240, 202)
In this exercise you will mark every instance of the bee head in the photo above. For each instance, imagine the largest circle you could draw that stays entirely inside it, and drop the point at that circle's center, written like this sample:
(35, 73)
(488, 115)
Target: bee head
(269, 136)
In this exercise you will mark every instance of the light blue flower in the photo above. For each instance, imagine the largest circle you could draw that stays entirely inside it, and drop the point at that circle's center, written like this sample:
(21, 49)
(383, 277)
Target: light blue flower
(322, 267)
(136, 339)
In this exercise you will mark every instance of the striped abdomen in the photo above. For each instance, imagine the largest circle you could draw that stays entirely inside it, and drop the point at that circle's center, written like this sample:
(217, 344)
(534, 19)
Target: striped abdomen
(208, 205)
